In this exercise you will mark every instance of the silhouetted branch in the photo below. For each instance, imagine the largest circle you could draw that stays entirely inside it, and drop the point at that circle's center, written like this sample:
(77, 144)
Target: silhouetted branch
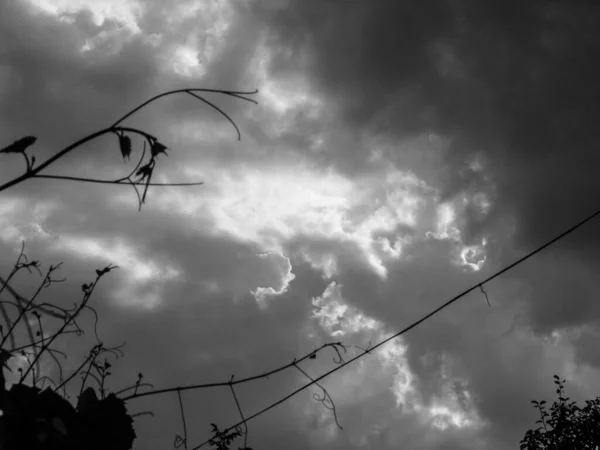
(366, 350)
(91, 355)
(236, 94)
(236, 382)
(136, 386)
(24, 317)
(70, 320)
(146, 171)
(179, 441)
(485, 293)
(325, 399)
(237, 403)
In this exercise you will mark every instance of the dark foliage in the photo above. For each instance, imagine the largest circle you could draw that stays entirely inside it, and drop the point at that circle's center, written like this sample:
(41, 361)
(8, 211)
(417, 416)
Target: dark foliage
(222, 439)
(36, 419)
(42, 420)
(565, 426)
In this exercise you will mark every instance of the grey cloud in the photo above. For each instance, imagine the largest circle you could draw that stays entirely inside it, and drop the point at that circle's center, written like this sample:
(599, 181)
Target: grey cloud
(586, 347)
(571, 300)
(522, 93)
(49, 74)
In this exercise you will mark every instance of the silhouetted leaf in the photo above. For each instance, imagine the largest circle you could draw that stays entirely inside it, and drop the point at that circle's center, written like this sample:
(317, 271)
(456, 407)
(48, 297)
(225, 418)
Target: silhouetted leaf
(157, 148)
(20, 145)
(568, 427)
(87, 400)
(125, 146)
(107, 425)
(145, 171)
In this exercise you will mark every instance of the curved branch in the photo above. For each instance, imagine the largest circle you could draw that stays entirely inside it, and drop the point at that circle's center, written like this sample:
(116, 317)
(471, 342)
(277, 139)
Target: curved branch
(237, 94)
(325, 399)
(220, 111)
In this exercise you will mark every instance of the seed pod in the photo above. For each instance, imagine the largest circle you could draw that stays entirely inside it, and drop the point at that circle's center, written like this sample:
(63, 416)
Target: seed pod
(125, 146)
(157, 148)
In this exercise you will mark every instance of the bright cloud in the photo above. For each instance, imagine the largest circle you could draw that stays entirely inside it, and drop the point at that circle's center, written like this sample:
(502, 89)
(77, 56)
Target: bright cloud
(336, 317)
(269, 206)
(452, 409)
(123, 11)
(143, 279)
(21, 221)
(286, 276)
(192, 54)
(447, 228)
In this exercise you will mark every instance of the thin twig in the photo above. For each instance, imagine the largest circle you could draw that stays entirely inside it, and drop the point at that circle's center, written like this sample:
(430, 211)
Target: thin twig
(23, 300)
(5, 285)
(184, 439)
(74, 374)
(485, 293)
(135, 386)
(87, 294)
(23, 316)
(325, 400)
(237, 403)
(237, 94)
(221, 111)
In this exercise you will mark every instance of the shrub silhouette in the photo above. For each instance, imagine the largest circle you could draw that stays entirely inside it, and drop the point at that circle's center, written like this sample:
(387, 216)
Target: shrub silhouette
(565, 426)
(36, 418)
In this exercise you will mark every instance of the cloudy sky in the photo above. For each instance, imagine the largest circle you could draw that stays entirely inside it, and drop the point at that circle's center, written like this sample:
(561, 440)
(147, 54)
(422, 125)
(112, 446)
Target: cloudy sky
(400, 152)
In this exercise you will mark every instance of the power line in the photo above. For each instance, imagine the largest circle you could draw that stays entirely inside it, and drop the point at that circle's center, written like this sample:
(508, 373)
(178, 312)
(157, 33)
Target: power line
(418, 322)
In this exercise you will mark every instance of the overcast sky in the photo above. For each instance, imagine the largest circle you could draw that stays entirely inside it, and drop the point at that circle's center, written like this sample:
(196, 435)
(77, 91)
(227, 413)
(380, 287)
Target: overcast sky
(400, 152)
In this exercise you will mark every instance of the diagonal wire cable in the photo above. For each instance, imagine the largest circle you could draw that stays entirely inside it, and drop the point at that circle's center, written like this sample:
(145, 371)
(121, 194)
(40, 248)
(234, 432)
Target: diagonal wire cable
(421, 320)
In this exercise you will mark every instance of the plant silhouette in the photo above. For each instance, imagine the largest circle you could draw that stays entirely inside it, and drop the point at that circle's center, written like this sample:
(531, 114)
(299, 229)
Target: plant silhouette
(35, 412)
(565, 426)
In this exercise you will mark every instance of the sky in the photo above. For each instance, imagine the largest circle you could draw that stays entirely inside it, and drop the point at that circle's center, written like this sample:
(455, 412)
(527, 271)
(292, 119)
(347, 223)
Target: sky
(399, 153)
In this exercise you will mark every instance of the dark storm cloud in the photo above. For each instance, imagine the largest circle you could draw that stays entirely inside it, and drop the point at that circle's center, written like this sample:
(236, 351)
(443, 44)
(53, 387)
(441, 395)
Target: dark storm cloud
(514, 81)
(512, 84)
(48, 73)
